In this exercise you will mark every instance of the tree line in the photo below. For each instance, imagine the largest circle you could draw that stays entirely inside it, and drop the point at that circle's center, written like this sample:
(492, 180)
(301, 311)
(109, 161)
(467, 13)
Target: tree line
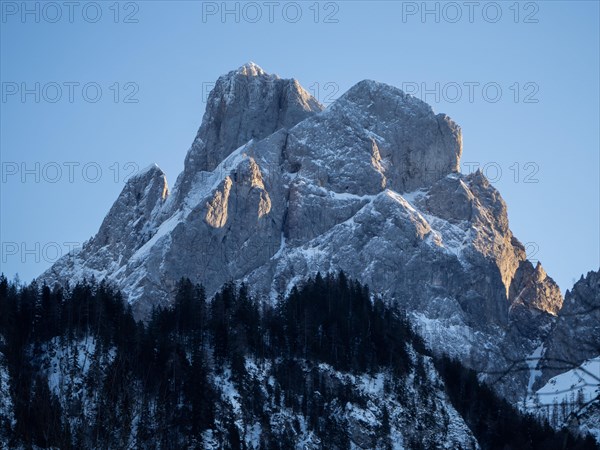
(154, 384)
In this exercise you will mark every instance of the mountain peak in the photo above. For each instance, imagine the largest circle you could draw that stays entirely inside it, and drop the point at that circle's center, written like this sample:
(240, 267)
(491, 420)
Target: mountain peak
(275, 188)
(245, 104)
(250, 69)
(370, 94)
(152, 169)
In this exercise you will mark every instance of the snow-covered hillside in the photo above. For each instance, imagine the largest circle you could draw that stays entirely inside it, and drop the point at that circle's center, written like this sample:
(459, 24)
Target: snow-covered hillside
(571, 399)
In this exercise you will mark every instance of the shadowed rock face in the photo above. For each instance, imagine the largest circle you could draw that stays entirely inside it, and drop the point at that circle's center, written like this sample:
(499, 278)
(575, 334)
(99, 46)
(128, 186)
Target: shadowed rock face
(576, 335)
(375, 137)
(137, 207)
(275, 189)
(131, 222)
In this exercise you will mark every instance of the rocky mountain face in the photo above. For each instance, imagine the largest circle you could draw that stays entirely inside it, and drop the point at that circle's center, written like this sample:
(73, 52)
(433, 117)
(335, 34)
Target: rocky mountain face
(276, 188)
(565, 386)
(566, 349)
(244, 105)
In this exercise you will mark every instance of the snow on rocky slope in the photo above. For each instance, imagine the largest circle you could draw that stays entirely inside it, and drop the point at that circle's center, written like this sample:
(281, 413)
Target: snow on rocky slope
(571, 399)
(7, 420)
(276, 188)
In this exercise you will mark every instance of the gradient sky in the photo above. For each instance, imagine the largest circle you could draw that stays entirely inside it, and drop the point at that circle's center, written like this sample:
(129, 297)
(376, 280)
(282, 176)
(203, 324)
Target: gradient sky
(542, 132)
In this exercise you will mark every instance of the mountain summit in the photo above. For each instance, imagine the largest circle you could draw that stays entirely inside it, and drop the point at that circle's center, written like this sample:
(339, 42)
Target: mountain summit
(276, 188)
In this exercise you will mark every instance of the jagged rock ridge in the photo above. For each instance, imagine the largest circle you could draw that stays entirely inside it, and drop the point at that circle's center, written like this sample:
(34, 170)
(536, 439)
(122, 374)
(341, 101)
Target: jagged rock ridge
(566, 349)
(276, 188)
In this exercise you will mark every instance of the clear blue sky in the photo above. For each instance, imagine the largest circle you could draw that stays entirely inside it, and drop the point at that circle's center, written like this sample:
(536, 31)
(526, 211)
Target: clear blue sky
(174, 51)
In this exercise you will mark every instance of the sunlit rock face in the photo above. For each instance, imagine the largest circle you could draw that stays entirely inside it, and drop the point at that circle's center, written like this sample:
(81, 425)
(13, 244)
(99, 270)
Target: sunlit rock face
(216, 214)
(245, 104)
(532, 287)
(276, 188)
